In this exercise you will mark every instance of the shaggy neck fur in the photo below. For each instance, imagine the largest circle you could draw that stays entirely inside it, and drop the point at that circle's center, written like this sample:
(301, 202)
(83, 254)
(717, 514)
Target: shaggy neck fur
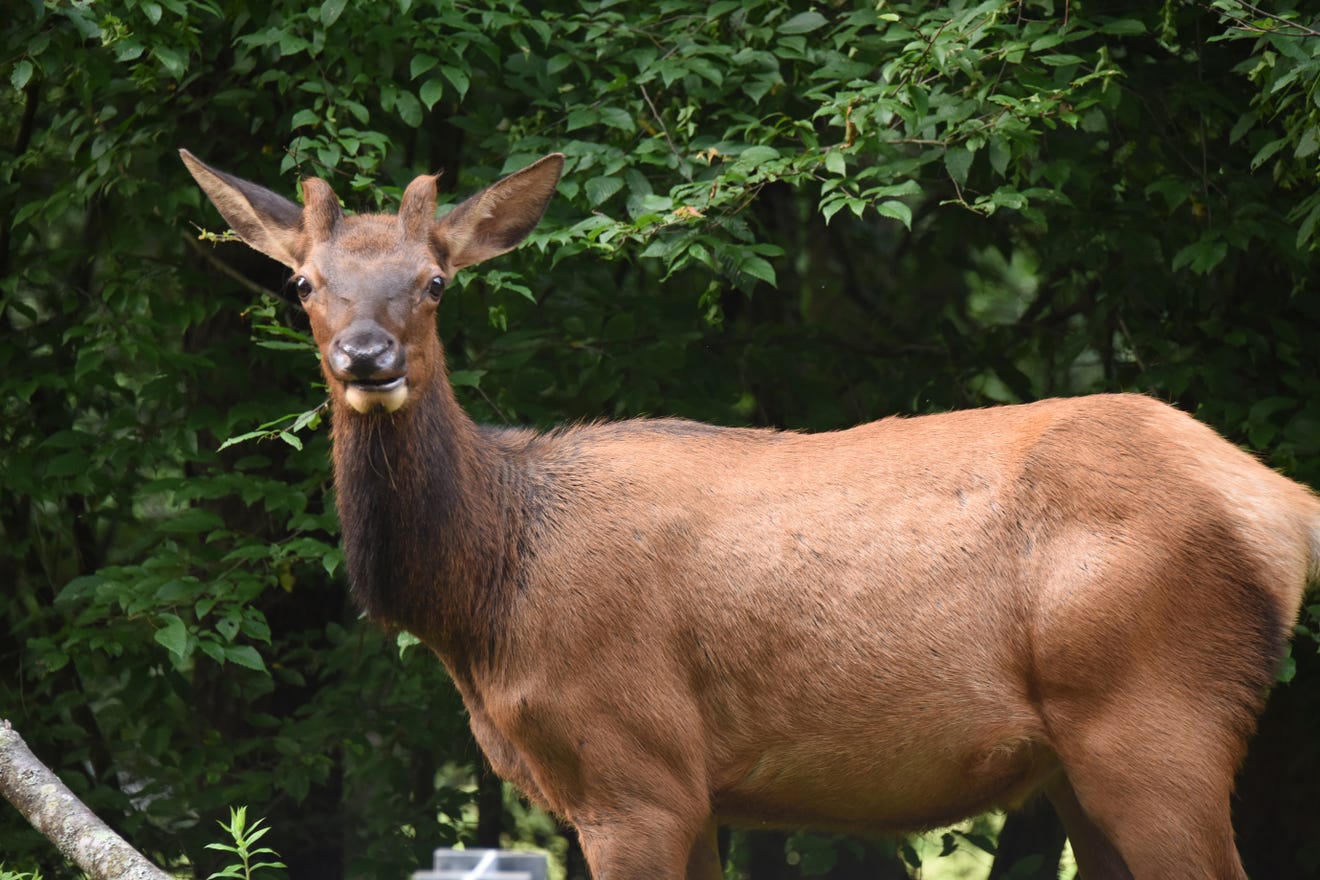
(431, 523)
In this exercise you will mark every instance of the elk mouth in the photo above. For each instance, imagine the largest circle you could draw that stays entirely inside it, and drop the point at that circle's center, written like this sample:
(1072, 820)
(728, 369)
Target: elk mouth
(364, 395)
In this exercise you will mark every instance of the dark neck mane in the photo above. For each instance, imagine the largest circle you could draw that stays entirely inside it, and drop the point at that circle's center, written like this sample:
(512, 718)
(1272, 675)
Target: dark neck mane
(431, 523)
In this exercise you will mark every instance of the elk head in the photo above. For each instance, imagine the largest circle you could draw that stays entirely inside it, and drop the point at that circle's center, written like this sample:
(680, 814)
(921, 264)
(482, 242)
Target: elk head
(371, 283)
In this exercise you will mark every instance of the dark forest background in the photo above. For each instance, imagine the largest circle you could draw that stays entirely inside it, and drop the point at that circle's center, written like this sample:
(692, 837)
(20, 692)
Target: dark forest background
(774, 213)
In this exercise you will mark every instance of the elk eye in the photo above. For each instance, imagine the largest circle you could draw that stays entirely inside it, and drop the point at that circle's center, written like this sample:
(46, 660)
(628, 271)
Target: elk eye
(300, 285)
(436, 288)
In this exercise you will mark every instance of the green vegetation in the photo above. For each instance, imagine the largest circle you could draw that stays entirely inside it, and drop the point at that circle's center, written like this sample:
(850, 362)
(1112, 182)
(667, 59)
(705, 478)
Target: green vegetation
(6, 874)
(774, 213)
(244, 836)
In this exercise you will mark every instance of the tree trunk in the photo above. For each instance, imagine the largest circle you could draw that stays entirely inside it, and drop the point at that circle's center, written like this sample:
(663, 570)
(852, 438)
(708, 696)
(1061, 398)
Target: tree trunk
(490, 807)
(65, 821)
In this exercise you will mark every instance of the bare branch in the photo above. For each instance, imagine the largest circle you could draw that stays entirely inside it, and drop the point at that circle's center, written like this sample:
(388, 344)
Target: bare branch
(224, 268)
(663, 128)
(65, 821)
(1297, 28)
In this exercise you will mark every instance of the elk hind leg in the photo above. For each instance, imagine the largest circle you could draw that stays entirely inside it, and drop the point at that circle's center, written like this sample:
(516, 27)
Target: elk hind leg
(704, 857)
(651, 844)
(1149, 794)
(1097, 857)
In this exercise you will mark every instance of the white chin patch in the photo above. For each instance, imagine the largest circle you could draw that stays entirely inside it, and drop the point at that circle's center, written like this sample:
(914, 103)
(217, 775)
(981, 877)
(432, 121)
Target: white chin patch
(364, 398)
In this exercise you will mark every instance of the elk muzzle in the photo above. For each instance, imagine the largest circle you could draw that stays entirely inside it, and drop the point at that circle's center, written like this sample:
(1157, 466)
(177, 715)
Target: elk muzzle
(371, 364)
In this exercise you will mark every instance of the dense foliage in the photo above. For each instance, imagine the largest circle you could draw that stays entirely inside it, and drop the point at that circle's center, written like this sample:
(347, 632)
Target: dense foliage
(774, 213)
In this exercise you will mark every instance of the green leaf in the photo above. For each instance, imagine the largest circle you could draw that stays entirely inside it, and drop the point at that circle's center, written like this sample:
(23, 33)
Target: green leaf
(331, 10)
(759, 269)
(999, 152)
(431, 92)
(1049, 41)
(458, 79)
(601, 188)
(758, 155)
(1287, 669)
(1307, 227)
(1202, 255)
(581, 117)
(173, 635)
(176, 591)
(558, 63)
(171, 59)
(420, 64)
(194, 520)
(1008, 197)
(466, 378)
(245, 655)
(405, 640)
(28, 210)
(249, 552)
(258, 865)
(706, 69)
(1246, 122)
(79, 587)
(834, 206)
(1265, 152)
(227, 627)
(310, 418)
(409, 109)
(332, 560)
(1124, 27)
(241, 438)
(292, 44)
(897, 211)
(958, 162)
(617, 117)
(803, 23)
(21, 73)
(1309, 142)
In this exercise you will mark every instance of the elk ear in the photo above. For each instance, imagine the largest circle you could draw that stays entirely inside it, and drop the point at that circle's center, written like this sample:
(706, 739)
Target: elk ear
(499, 217)
(268, 222)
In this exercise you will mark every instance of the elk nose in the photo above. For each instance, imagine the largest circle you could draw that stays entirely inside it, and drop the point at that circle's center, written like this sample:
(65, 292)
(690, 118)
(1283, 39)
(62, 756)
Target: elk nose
(365, 353)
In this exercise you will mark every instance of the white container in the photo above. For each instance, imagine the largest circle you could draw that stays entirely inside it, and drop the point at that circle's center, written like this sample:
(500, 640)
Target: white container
(485, 864)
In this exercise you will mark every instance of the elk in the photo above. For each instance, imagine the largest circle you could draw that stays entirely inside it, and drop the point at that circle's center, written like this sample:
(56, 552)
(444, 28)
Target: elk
(659, 625)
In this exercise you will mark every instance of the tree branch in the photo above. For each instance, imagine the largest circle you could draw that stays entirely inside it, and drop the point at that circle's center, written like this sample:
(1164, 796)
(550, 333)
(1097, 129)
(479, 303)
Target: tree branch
(65, 821)
(1299, 29)
(224, 268)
